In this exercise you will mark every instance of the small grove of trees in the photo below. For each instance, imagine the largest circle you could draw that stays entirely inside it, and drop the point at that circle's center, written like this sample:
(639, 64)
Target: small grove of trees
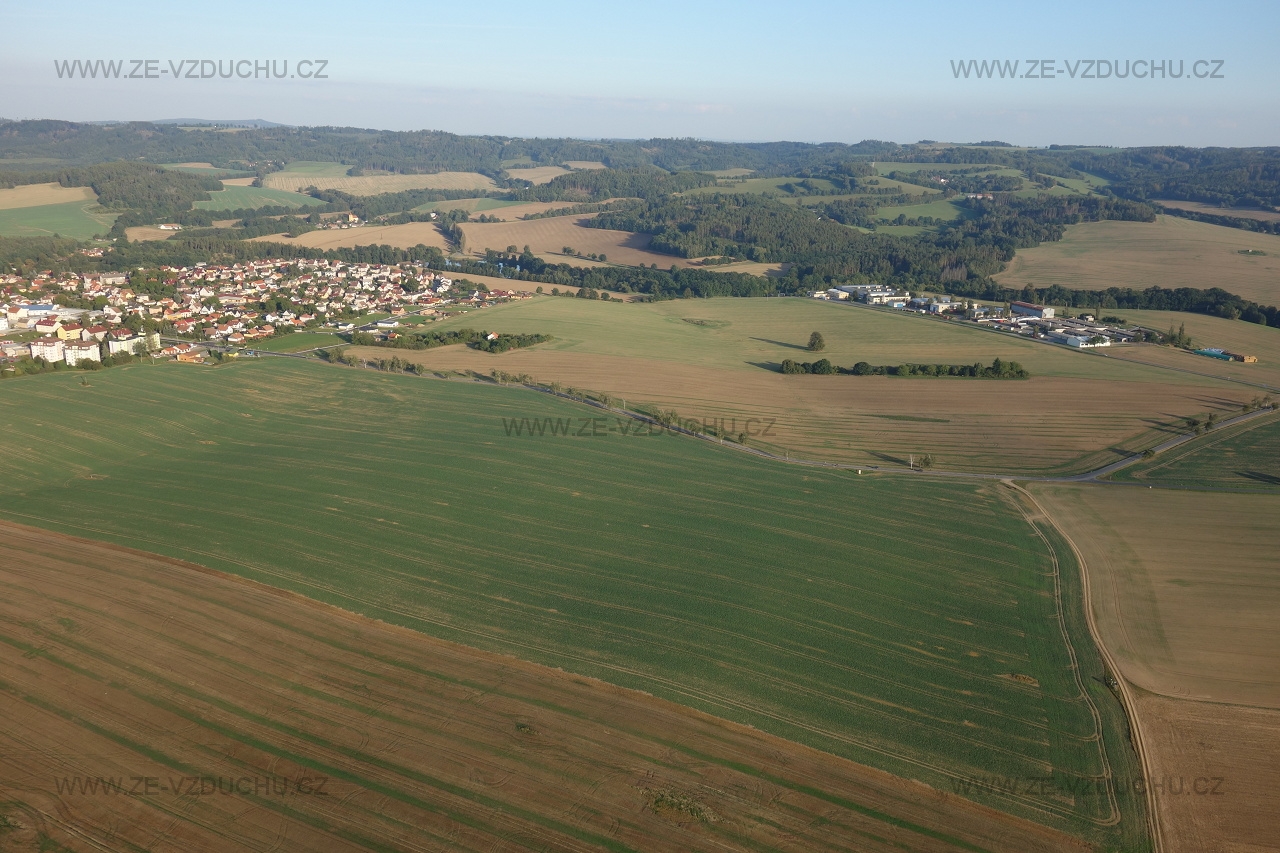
(816, 342)
(470, 337)
(998, 369)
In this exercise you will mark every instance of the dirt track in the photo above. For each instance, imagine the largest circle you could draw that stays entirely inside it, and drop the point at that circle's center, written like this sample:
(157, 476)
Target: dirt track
(289, 725)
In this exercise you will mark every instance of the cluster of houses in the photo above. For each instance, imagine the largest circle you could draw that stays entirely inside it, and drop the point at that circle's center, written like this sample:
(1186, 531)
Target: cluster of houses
(232, 304)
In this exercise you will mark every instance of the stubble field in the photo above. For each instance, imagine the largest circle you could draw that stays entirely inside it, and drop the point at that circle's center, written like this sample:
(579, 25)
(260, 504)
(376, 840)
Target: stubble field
(1184, 591)
(553, 234)
(401, 236)
(819, 606)
(1078, 411)
(333, 176)
(1169, 252)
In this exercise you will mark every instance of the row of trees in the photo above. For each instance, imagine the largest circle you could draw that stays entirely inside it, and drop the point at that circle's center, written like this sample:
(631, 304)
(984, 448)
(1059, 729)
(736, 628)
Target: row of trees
(998, 369)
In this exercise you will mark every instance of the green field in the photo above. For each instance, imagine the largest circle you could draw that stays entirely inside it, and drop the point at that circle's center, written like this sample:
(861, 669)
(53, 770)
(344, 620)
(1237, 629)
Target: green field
(1246, 456)
(945, 210)
(77, 219)
(317, 169)
(473, 205)
(236, 198)
(211, 171)
(297, 342)
(915, 625)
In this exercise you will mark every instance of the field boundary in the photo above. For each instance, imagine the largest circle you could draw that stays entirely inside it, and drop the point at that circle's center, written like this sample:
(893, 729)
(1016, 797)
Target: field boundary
(1127, 701)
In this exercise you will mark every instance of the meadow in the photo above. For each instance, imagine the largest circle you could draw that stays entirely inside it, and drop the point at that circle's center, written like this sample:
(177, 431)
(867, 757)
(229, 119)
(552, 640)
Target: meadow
(927, 628)
(38, 195)
(1171, 252)
(78, 219)
(1078, 411)
(237, 198)
(301, 174)
(1262, 342)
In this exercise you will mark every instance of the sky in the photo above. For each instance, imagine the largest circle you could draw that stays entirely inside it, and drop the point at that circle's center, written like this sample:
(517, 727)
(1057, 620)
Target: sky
(805, 70)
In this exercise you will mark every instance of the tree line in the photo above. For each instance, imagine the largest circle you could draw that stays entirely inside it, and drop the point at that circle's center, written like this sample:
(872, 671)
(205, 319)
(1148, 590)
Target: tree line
(998, 369)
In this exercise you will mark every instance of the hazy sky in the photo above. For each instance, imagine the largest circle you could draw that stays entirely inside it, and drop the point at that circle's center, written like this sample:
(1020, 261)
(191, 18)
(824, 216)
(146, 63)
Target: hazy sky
(803, 69)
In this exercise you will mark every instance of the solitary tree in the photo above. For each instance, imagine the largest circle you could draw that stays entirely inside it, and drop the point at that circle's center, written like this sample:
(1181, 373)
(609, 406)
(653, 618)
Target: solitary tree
(926, 461)
(816, 343)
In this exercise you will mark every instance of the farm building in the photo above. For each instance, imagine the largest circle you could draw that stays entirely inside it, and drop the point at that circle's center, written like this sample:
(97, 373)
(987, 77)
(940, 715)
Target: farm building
(1027, 309)
(1236, 356)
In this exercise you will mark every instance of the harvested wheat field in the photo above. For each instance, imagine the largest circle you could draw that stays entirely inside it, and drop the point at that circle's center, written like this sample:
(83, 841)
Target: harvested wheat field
(1214, 210)
(400, 236)
(1184, 591)
(1215, 771)
(1169, 252)
(139, 233)
(1048, 425)
(375, 184)
(38, 195)
(554, 234)
(238, 182)
(537, 174)
(1185, 586)
(152, 704)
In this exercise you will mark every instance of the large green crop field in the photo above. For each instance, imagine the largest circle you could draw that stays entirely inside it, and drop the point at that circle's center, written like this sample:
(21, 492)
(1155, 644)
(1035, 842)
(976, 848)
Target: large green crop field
(237, 198)
(917, 625)
(1246, 456)
(77, 219)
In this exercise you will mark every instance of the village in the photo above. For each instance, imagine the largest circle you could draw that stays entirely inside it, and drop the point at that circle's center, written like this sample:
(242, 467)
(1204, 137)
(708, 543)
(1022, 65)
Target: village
(95, 316)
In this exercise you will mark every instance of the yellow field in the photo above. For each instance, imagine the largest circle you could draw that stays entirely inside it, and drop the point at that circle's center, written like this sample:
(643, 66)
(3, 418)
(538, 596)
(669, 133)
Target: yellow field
(552, 235)
(752, 268)
(1239, 212)
(538, 174)
(1184, 591)
(37, 195)
(400, 236)
(1170, 252)
(238, 182)
(1185, 587)
(140, 233)
(375, 184)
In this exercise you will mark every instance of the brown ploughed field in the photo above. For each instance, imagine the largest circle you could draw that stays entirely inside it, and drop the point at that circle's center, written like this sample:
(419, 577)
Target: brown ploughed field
(153, 704)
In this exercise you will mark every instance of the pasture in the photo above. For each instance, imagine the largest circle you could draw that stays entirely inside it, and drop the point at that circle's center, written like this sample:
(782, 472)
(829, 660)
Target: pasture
(301, 174)
(240, 197)
(550, 236)
(579, 165)
(1079, 410)
(1244, 456)
(1184, 590)
(364, 714)
(818, 606)
(1170, 252)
